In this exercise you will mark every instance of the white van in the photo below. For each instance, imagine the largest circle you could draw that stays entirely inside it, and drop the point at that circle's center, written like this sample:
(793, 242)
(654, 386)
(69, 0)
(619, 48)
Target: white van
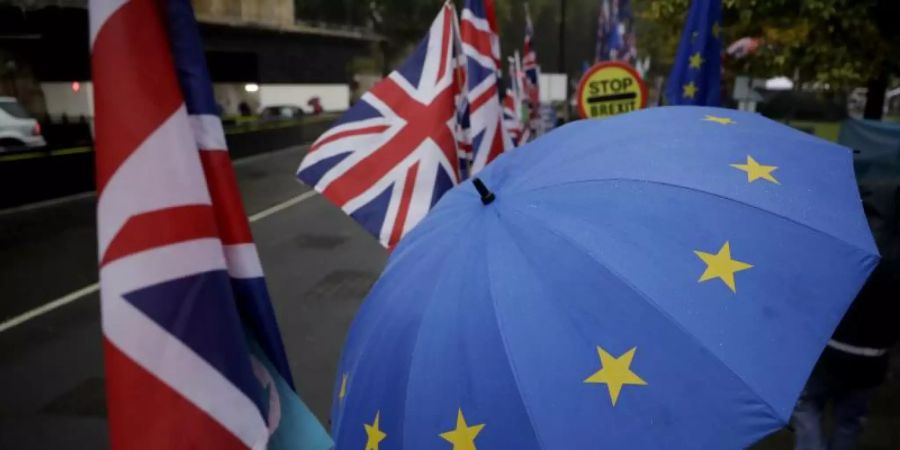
(18, 131)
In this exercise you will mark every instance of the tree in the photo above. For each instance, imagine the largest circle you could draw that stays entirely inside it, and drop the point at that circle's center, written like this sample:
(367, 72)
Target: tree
(401, 22)
(580, 30)
(835, 44)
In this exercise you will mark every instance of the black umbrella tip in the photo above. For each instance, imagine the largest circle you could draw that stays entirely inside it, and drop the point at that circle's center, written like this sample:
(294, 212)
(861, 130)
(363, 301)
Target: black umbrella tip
(486, 195)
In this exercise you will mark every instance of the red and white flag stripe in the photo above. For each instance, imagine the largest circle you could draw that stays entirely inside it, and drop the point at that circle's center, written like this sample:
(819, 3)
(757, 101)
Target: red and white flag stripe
(156, 224)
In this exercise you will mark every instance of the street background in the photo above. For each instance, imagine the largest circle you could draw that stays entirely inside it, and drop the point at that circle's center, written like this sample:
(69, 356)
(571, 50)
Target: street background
(282, 72)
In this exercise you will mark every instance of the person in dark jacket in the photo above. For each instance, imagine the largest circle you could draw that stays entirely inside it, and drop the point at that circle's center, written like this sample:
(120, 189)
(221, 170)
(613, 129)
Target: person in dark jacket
(855, 361)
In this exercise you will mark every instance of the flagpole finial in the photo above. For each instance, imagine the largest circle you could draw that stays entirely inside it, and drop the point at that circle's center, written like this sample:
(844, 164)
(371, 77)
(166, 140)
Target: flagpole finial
(486, 195)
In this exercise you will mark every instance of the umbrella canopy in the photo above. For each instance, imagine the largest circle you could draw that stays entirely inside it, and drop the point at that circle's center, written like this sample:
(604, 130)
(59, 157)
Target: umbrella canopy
(661, 279)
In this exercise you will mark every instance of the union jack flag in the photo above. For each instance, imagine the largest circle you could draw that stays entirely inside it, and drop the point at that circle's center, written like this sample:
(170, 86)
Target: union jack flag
(511, 118)
(531, 69)
(389, 158)
(481, 47)
(194, 358)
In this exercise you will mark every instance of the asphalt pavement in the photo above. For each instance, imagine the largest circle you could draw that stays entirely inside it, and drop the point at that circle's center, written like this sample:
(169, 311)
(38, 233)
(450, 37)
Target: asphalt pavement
(319, 264)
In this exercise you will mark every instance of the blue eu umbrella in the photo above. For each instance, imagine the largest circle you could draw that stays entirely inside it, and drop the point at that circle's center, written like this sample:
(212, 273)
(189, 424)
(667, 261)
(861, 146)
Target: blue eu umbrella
(661, 279)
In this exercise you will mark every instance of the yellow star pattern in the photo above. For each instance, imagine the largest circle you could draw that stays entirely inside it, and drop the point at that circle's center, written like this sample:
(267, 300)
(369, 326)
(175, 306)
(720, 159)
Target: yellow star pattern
(694, 36)
(719, 120)
(696, 61)
(716, 30)
(721, 266)
(343, 392)
(689, 90)
(756, 170)
(463, 437)
(615, 372)
(374, 435)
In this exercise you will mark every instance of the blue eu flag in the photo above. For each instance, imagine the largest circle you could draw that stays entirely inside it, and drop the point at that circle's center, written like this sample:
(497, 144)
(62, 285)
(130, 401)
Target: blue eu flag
(697, 71)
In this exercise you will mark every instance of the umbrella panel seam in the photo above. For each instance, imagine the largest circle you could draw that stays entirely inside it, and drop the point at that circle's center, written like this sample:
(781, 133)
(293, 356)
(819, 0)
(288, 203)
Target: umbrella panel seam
(653, 304)
(712, 194)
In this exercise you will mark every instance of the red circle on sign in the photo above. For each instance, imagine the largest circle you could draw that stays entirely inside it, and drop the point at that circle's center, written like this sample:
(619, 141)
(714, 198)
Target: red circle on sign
(603, 65)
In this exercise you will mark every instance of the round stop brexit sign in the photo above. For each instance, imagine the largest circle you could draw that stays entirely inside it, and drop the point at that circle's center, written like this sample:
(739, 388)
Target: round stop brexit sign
(610, 88)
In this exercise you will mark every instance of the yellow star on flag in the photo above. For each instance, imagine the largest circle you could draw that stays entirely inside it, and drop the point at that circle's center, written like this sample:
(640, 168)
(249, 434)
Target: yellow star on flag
(716, 30)
(689, 90)
(615, 372)
(343, 392)
(374, 435)
(719, 120)
(463, 437)
(756, 170)
(721, 266)
(696, 61)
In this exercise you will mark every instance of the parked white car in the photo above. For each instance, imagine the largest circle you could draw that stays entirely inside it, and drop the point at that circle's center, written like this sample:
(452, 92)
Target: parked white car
(18, 130)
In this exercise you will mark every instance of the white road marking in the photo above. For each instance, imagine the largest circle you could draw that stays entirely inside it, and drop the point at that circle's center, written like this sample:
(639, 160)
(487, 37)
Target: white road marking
(282, 206)
(267, 155)
(855, 350)
(69, 198)
(88, 290)
(47, 307)
(47, 203)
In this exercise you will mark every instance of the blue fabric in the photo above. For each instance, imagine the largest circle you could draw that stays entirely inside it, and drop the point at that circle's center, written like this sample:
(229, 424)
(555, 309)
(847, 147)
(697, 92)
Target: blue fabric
(412, 67)
(211, 294)
(255, 307)
(698, 38)
(190, 62)
(358, 111)
(476, 73)
(878, 147)
(293, 425)
(315, 172)
(195, 309)
(371, 215)
(497, 310)
(251, 296)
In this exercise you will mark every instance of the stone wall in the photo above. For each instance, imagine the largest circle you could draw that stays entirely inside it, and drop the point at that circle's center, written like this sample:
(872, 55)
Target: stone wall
(277, 13)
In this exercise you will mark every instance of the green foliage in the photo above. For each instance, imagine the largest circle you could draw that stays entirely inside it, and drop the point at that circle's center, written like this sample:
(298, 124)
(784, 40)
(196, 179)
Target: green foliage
(839, 43)
(405, 20)
(401, 22)
(580, 31)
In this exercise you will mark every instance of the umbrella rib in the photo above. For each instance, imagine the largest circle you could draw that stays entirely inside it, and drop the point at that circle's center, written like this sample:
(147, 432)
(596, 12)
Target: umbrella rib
(426, 309)
(599, 261)
(794, 137)
(711, 194)
(506, 352)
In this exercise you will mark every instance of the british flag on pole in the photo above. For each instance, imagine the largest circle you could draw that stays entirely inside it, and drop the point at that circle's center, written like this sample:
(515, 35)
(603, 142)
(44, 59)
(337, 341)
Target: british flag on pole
(392, 156)
(532, 74)
(512, 121)
(193, 354)
(481, 47)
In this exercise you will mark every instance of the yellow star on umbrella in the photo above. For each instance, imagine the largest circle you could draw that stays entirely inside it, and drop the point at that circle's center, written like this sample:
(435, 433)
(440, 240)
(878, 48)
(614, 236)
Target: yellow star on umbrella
(719, 120)
(343, 392)
(689, 90)
(721, 266)
(373, 434)
(615, 372)
(696, 61)
(463, 437)
(756, 170)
